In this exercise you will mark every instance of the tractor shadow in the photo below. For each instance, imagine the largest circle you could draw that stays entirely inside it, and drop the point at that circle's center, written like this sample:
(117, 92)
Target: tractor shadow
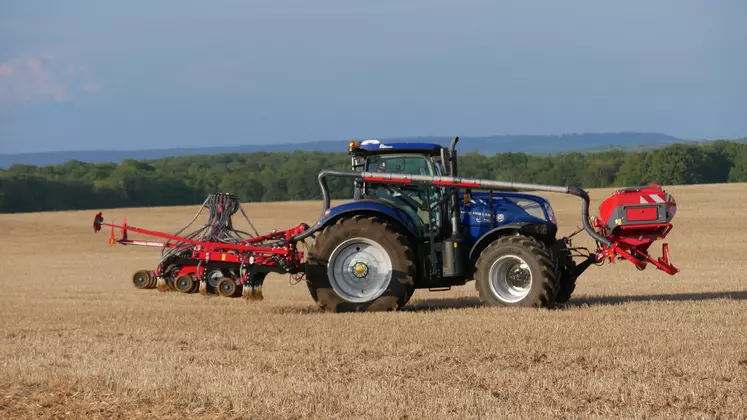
(436, 304)
(440, 304)
(674, 297)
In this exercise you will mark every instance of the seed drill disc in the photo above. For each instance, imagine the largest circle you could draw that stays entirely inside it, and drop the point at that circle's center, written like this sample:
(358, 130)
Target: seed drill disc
(184, 283)
(141, 279)
(227, 287)
(153, 280)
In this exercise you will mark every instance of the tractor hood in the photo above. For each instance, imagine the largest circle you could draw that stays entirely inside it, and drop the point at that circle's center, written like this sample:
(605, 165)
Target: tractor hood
(507, 208)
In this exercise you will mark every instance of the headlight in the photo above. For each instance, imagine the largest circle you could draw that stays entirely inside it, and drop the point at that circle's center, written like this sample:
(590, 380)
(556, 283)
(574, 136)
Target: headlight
(533, 208)
(551, 213)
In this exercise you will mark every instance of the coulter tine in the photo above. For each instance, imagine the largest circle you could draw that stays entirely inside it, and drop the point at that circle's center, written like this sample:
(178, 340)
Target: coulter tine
(161, 285)
(256, 293)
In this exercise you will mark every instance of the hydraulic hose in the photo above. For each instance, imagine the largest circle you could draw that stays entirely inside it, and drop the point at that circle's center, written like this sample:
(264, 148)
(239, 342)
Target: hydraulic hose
(584, 196)
(326, 200)
(449, 181)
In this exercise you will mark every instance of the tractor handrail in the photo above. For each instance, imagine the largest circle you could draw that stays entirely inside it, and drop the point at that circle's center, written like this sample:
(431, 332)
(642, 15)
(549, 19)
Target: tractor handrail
(453, 182)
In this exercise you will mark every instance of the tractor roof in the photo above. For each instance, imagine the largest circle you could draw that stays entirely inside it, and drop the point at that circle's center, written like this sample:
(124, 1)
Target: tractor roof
(375, 147)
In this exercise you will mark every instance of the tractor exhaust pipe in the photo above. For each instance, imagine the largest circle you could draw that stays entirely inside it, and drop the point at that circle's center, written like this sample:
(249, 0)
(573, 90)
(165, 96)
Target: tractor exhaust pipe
(456, 215)
(453, 264)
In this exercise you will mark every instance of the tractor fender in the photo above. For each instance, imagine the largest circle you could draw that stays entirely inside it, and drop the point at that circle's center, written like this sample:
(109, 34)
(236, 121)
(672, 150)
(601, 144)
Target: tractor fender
(369, 207)
(544, 232)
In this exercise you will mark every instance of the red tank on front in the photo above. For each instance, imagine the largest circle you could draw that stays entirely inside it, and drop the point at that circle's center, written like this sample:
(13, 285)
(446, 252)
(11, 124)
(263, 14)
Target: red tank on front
(633, 218)
(636, 206)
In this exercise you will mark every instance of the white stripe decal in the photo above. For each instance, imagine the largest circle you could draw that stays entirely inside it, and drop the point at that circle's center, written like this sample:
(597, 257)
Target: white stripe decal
(656, 198)
(643, 200)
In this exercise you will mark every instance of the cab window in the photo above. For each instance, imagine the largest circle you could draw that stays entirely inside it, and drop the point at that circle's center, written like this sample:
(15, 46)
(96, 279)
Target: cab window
(410, 165)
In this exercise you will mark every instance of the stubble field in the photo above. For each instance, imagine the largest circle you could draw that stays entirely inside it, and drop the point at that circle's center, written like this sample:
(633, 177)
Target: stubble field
(77, 340)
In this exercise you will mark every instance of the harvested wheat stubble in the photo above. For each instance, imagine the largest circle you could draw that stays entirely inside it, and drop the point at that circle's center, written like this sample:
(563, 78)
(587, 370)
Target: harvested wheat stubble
(78, 340)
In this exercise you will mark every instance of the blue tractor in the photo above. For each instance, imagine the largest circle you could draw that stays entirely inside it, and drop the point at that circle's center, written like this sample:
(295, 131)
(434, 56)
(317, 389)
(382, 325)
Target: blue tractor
(420, 229)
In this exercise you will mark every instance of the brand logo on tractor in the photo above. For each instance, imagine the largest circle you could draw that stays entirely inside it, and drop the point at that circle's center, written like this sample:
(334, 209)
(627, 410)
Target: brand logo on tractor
(479, 214)
(500, 217)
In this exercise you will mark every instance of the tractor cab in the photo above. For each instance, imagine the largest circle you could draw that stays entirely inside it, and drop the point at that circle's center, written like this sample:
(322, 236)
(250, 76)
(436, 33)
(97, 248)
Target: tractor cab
(423, 203)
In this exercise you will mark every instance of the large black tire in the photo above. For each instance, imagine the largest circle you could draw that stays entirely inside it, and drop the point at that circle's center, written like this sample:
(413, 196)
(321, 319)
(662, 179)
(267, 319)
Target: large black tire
(516, 253)
(564, 266)
(397, 246)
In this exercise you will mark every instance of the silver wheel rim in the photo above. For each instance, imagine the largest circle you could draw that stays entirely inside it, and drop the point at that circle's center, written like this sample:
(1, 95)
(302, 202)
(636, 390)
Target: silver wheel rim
(141, 280)
(227, 287)
(214, 277)
(510, 278)
(182, 284)
(359, 270)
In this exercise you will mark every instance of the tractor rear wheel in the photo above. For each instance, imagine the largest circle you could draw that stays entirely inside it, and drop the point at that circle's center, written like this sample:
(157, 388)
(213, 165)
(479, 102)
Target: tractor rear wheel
(361, 263)
(516, 271)
(565, 267)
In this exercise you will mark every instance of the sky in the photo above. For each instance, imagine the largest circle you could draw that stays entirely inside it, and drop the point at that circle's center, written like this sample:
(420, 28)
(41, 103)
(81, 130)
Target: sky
(96, 75)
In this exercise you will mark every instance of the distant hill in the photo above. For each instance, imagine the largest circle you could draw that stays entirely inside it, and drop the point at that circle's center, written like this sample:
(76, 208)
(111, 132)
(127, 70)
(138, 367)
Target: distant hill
(489, 145)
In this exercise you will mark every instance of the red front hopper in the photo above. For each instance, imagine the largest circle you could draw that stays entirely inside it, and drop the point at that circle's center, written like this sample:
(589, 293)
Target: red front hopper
(633, 218)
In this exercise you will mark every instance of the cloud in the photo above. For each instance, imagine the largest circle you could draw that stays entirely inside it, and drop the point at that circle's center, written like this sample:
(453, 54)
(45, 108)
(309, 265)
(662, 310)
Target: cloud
(42, 78)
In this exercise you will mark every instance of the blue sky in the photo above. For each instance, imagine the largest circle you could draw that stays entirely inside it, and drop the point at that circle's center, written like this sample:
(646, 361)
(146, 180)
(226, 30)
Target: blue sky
(78, 75)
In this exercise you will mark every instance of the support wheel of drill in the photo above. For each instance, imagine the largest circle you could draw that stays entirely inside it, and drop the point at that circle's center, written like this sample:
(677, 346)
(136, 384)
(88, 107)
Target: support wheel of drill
(227, 287)
(141, 279)
(516, 271)
(185, 283)
(361, 263)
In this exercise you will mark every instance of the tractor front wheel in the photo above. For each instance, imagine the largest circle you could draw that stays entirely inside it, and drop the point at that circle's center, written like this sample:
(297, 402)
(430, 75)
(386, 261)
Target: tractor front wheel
(361, 264)
(516, 271)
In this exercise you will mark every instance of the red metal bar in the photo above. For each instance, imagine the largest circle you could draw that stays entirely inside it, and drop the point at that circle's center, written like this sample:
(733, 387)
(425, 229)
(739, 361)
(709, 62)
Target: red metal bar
(208, 246)
(388, 180)
(456, 184)
(662, 263)
(265, 237)
(153, 244)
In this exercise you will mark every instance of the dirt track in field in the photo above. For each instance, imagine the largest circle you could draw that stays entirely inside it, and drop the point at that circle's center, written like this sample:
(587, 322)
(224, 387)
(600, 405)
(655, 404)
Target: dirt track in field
(77, 340)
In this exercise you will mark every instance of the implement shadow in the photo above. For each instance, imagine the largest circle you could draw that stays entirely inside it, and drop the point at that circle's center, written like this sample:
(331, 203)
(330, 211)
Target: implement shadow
(436, 304)
(675, 297)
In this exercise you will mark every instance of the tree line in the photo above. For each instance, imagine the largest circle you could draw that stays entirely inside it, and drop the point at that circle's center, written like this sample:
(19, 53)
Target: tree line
(281, 176)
